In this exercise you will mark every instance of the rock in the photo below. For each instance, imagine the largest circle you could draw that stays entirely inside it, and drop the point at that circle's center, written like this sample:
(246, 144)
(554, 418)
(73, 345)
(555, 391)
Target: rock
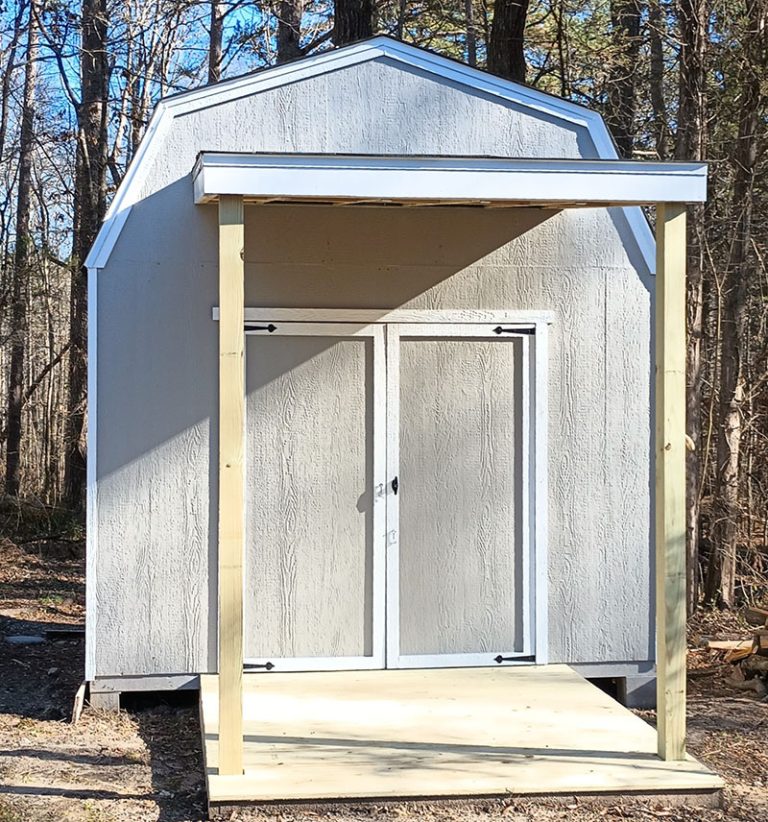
(53, 671)
(24, 639)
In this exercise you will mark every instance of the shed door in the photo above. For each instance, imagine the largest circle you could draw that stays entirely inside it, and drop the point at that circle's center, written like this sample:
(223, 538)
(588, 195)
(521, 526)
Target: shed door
(458, 589)
(315, 522)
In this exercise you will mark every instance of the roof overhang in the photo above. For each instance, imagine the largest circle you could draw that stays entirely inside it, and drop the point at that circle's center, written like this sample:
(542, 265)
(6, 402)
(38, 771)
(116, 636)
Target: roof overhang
(429, 181)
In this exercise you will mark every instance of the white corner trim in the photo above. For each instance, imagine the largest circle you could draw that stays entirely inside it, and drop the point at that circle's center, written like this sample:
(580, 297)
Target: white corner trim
(330, 61)
(91, 518)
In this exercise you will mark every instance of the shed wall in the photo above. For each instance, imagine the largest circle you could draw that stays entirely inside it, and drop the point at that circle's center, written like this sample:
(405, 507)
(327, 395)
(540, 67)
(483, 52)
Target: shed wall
(152, 598)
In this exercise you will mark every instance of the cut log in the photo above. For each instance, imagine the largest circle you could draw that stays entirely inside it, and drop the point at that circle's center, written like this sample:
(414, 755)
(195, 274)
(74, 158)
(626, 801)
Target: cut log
(730, 644)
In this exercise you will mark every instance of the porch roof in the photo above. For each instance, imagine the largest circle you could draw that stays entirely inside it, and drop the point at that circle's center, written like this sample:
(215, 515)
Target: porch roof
(439, 181)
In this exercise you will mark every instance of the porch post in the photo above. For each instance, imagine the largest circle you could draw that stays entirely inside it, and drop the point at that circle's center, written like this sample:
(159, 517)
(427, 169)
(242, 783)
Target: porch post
(670, 479)
(231, 482)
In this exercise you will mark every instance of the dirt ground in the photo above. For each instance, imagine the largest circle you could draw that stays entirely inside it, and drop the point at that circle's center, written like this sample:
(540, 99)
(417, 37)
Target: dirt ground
(144, 765)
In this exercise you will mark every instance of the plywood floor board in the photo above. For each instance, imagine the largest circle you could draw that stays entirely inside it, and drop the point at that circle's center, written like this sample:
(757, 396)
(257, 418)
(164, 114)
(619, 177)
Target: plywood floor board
(438, 733)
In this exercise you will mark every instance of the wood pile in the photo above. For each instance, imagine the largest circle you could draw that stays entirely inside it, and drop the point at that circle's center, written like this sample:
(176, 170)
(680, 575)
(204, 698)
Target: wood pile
(749, 656)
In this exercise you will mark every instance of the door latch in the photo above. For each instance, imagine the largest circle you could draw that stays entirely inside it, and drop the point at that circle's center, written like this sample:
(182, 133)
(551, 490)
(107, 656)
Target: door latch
(395, 486)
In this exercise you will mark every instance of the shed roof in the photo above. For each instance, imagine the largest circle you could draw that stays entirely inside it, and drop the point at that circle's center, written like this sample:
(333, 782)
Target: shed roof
(409, 57)
(428, 181)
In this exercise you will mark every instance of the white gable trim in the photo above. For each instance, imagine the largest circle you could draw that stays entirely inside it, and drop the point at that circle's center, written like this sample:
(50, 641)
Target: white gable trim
(378, 47)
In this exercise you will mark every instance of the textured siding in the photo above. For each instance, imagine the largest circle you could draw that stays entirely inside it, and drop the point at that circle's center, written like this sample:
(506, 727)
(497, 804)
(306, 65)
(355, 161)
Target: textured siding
(154, 581)
(460, 545)
(309, 537)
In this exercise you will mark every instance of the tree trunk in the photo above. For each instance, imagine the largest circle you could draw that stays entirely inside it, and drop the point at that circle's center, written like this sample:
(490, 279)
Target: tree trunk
(8, 74)
(215, 42)
(21, 265)
(691, 146)
(289, 30)
(658, 104)
(625, 24)
(90, 207)
(506, 55)
(353, 20)
(734, 310)
(469, 13)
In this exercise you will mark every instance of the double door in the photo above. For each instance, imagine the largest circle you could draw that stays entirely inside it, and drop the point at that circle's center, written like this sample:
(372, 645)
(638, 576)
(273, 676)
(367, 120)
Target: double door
(388, 514)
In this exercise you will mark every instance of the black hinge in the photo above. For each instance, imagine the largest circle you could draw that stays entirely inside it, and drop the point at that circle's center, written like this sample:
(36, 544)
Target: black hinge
(252, 666)
(499, 659)
(500, 330)
(270, 327)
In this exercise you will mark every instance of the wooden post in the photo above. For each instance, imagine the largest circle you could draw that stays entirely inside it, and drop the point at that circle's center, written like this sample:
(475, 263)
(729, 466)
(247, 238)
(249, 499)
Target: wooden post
(231, 482)
(670, 479)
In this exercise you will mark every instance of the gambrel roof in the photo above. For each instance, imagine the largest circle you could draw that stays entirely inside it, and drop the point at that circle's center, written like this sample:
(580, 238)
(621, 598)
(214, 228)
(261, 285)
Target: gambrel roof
(410, 57)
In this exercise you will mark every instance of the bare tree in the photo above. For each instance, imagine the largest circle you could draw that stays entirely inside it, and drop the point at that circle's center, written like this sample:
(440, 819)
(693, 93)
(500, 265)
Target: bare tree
(216, 41)
(656, 77)
(506, 56)
(289, 30)
(90, 207)
(353, 20)
(691, 145)
(469, 13)
(18, 313)
(625, 21)
(721, 581)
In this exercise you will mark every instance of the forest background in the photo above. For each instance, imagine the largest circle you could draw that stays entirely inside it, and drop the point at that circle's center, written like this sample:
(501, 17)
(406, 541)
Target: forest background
(674, 79)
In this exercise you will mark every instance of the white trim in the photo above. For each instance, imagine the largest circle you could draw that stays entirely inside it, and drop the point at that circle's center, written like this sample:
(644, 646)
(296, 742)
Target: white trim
(540, 496)
(129, 190)
(379, 471)
(528, 504)
(378, 479)
(397, 315)
(455, 180)
(310, 329)
(314, 663)
(379, 47)
(483, 660)
(91, 498)
(393, 508)
(397, 51)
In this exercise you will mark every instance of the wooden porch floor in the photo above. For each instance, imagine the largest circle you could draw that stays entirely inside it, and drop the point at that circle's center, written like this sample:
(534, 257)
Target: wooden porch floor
(437, 733)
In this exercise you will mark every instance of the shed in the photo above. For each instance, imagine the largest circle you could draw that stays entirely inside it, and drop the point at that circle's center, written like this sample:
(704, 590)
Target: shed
(371, 342)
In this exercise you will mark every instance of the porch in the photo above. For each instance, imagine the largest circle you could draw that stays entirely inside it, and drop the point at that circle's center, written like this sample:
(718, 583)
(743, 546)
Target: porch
(450, 731)
(435, 733)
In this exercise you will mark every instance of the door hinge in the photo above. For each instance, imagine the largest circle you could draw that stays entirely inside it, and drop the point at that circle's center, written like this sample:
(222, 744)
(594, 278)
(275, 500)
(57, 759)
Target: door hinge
(500, 330)
(270, 327)
(252, 666)
(499, 659)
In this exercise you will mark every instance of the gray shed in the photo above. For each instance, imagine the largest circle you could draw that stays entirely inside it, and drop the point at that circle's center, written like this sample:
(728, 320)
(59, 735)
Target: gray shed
(371, 358)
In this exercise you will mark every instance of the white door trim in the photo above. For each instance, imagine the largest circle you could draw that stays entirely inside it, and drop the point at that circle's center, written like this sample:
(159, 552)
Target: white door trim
(377, 657)
(538, 323)
(367, 316)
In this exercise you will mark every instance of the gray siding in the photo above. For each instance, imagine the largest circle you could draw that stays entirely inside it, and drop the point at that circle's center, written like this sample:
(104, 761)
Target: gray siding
(153, 587)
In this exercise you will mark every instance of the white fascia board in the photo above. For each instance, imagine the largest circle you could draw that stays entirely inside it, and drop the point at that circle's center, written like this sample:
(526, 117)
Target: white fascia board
(452, 179)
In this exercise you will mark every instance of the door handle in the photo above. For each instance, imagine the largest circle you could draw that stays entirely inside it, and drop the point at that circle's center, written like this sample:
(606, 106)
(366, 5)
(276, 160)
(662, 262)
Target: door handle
(395, 486)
